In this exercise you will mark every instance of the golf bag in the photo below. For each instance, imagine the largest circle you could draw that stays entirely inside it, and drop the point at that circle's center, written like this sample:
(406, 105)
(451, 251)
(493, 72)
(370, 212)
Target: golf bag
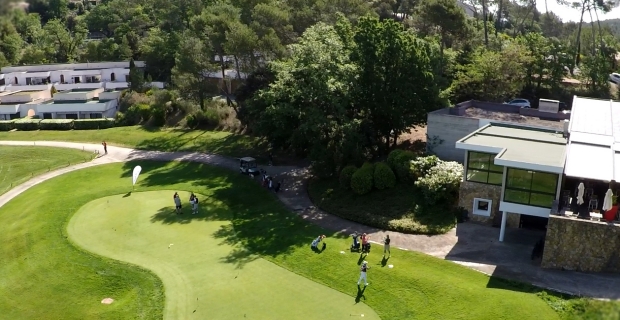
(355, 247)
(366, 247)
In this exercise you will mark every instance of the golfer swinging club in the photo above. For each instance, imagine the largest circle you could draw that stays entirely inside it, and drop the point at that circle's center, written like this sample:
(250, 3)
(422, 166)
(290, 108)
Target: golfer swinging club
(363, 270)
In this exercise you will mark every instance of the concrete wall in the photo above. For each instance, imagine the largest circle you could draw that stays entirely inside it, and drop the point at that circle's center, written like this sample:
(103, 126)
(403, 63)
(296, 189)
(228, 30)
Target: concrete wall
(77, 96)
(448, 129)
(25, 97)
(71, 86)
(109, 95)
(581, 245)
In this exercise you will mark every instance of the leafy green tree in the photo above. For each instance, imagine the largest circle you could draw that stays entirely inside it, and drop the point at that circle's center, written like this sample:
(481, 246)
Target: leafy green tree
(491, 75)
(448, 17)
(395, 86)
(10, 42)
(66, 44)
(136, 77)
(158, 50)
(193, 70)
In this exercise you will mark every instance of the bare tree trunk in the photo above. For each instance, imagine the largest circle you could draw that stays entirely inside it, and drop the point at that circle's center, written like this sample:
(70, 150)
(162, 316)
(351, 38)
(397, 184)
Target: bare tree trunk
(484, 19)
(499, 16)
(593, 30)
(578, 49)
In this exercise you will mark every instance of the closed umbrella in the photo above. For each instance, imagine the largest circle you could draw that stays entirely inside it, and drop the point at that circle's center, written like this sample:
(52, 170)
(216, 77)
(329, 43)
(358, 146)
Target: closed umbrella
(580, 189)
(608, 202)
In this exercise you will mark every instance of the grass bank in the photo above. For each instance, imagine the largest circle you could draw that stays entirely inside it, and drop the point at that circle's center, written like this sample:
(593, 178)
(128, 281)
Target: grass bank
(18, 164)
(218, 142)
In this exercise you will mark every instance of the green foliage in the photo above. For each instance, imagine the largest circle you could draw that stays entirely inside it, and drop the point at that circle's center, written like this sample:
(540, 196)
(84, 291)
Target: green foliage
(93, 124)
(56, 124)
(202, 118)
(392, 156)
(136, 114)
(401, 164)
(441, 183)
(362, 179)
(26, 124)
(6, 125)
(384, 177)
(345, 176)
(421, 166)
(136, 77)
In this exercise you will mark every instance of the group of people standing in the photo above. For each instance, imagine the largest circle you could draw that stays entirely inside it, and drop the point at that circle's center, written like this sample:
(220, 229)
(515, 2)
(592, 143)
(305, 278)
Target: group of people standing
(193, 200)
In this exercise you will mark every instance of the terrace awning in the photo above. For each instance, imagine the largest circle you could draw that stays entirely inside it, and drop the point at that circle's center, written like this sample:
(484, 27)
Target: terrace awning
(589, 161)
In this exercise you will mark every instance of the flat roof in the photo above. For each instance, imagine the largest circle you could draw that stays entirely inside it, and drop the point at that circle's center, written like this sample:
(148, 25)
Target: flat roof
(594, 140)
(23, 93)
(516, 118)
(519, 147)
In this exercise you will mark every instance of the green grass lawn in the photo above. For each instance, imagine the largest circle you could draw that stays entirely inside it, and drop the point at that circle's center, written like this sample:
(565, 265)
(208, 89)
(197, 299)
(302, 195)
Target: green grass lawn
(18, 164)
(184, 252)
(399, 209)
(43, 275)
(218, 142)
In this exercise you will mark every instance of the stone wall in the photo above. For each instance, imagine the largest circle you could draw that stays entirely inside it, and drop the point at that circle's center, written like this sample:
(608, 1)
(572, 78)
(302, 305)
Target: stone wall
(471, 190)
(581, 245)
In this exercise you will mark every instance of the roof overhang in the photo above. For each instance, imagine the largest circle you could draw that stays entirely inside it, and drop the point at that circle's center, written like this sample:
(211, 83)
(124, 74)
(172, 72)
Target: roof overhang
(500, 159)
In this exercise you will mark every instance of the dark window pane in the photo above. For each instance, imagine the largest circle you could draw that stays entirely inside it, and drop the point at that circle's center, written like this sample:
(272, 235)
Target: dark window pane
(514, 196)
(478, 160)
(544, 182)
(520, 179)
(495, 178)
(477, 176)
(541, 200)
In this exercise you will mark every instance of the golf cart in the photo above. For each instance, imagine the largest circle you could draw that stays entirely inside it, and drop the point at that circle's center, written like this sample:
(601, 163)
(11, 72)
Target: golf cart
(247, 165)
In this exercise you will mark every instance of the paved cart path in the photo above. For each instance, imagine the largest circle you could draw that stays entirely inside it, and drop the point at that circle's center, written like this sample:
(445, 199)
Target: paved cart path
(469, 244)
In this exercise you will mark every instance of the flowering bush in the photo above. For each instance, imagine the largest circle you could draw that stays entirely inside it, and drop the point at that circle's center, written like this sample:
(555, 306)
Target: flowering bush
(421, 166)
(441, 183)
(384, 176)
(345, 176)
(361, 181)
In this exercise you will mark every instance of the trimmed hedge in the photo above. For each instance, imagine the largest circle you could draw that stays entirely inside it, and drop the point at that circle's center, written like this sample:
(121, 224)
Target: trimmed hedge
(26, 124)
(361, 181)
(345, 176)
(93, 124)
(384, 176)
(441, 183)
(6, 125)
(400, 162)
(56, 124)
(422, 165)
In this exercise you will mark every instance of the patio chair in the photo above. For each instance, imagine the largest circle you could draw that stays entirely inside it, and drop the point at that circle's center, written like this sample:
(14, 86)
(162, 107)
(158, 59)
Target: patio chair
(593, 204)
(566, 201)
(589, 192)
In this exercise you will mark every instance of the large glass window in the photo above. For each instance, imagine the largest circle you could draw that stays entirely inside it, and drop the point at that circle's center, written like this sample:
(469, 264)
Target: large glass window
(530, 187)
(480, 168)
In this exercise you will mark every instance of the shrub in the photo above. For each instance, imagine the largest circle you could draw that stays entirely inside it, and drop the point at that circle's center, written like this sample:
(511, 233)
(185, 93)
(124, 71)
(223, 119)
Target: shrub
(384, 177)
(391, 159)
(420, 166)
(26, 124)
(56, 124)
(206, 118)
(361, 180)
(345, 176)
(401, 164)
(6, 125)
(93, 124)
(441, 184)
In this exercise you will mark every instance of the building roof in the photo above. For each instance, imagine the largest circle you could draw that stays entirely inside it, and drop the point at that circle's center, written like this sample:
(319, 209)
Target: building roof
(519, 147)
(594, 140)
(513, 118)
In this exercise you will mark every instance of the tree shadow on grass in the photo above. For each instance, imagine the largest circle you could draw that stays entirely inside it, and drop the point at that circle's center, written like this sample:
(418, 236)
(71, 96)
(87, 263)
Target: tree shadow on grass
(235, 145)
(260, 225)
(206, 212)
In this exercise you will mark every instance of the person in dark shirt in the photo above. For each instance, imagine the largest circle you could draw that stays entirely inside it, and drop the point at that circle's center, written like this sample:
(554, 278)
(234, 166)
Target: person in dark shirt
(363, 269)
(386, 245)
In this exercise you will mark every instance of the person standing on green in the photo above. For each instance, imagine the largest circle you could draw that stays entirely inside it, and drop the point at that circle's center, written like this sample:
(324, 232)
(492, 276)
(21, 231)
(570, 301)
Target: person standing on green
(386, 245)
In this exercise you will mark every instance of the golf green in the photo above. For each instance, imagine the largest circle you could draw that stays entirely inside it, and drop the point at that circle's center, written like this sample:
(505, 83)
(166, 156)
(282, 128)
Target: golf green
(142, 229)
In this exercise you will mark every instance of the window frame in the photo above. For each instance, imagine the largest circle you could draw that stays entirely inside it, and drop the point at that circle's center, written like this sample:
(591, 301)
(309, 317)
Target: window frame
(488, 171)
(530, 191)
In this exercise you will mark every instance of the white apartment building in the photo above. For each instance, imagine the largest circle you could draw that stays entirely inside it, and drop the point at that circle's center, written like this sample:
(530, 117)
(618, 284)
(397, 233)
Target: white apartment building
(106, 75)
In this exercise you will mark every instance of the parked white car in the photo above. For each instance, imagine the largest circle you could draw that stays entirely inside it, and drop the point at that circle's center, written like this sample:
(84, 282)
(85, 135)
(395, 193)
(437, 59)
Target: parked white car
(523, 103)
(614, 77)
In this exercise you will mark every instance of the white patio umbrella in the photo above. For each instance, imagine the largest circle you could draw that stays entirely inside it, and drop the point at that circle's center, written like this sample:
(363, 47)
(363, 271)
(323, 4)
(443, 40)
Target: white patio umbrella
(581, 189)
(607, 203)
